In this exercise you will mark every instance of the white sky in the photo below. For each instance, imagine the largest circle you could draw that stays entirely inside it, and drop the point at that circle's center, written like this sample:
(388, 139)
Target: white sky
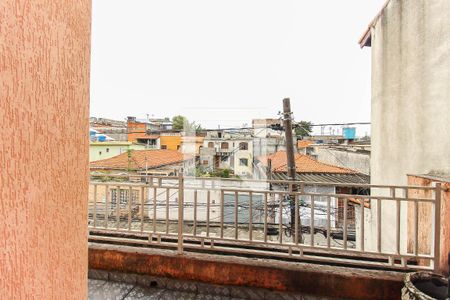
(226, 62)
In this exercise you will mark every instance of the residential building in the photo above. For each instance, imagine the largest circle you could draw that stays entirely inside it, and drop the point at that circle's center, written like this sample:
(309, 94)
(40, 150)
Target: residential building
(305, 147)
(266, 140)
(321, 178)
(410, 100)
(151, 162)
(192, 144)
(104, 150)
(170, 140)
(228, 150)
(352, 156)
(117, 130)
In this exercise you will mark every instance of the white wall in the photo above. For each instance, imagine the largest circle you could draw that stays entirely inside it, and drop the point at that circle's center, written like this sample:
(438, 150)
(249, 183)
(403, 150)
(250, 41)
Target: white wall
(410, 97)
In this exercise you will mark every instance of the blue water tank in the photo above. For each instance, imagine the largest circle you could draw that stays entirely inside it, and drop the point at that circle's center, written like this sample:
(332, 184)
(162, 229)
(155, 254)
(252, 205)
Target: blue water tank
(101, 138)
(349, 133)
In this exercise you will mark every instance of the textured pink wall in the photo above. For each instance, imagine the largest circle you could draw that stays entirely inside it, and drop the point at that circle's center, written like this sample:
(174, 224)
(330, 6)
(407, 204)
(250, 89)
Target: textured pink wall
(44, 108)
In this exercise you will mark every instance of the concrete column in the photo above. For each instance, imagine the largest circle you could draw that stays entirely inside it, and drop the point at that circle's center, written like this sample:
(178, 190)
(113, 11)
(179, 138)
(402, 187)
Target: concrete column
(44, 109)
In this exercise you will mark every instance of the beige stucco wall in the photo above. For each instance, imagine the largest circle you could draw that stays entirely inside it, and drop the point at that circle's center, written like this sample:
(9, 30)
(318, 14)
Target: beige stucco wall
(410, 90)
(44, 110)
(410, 100)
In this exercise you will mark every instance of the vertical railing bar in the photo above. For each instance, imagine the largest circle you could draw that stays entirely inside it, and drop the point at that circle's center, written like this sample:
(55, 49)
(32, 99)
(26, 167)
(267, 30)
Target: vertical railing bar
(280, 225)
(416, 222)
(142, 208)
(195, 212)
(328, 222)
(106, 214)
(118, 206)
(379, 225)
(236, 230)
(362, 223)
(416, 227)
(180, 211)
(95, 205)
(345, 223)
(312, 220)
(208, 205)
(265, 216)
(437, 227)
(130, 202)
(222, 199)
(154, 208)
(167, 209)
(250, 223)
(397, 220)
(296, 219)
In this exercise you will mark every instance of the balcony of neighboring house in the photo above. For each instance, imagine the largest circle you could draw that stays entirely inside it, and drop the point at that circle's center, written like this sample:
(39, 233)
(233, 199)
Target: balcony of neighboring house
(202, 238)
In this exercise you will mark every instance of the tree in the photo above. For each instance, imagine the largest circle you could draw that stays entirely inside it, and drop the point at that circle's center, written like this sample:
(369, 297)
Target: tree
(303, 128)
(178, 122)
(182, 123)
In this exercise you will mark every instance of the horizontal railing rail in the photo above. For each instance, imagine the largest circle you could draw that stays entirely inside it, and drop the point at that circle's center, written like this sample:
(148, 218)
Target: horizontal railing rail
(388, 227)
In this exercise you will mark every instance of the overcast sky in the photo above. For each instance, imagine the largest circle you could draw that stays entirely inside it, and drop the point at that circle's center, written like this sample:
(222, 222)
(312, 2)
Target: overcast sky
(226, 62)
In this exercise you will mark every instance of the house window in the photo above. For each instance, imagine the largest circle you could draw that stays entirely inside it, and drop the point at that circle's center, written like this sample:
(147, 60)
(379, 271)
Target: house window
(205, 162)
(243, 161)
(243, 146)
(107, 150)
(178, 147)
(224, 145)
(123, 196)
(99, 152)
(163, 147)
(210, 145)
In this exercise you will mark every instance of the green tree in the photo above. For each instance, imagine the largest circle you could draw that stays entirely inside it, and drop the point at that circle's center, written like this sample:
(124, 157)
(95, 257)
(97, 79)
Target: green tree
(182, 123)
(303, 128)
(178, 122)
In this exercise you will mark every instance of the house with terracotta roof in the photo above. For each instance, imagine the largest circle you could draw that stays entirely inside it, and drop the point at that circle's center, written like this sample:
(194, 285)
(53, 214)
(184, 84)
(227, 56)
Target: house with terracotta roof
(318, 178)
(152, 162)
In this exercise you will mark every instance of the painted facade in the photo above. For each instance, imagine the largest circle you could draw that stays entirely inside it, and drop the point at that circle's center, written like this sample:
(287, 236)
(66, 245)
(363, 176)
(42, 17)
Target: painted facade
(44, 82)
(104, 150)
(410, 100)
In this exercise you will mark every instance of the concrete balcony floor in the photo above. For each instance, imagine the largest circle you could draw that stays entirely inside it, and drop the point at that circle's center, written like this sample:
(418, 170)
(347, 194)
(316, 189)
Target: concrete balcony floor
(120, 286)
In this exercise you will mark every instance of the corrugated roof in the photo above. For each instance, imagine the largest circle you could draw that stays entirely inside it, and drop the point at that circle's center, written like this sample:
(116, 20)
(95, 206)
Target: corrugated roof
(303, 164)
(355, 178)
(140, 159)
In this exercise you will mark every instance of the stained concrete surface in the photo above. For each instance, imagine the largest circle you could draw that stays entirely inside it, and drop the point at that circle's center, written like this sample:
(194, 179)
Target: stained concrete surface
(120, 286)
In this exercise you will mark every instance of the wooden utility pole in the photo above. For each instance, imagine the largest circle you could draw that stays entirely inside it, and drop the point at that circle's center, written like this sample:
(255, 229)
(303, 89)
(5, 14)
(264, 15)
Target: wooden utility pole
(287, 122)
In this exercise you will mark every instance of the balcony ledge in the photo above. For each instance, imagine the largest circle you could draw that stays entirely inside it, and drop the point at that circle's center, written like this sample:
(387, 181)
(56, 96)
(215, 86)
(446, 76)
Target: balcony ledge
(304, 278)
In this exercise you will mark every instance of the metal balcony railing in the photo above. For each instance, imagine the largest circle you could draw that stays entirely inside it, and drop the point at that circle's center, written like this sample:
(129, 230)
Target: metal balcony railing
(394, 227)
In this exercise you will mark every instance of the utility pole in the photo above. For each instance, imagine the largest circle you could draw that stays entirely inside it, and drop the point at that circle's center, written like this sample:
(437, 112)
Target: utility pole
(287, 122)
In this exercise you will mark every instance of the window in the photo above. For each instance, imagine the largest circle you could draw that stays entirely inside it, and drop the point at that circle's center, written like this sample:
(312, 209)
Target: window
(205, 162)
(243, 146)
(224, 145)
(99, 152)
(243, 161)
(123, 196)
(107, 150)
(178, 147)
(210, 145)
(163, 146)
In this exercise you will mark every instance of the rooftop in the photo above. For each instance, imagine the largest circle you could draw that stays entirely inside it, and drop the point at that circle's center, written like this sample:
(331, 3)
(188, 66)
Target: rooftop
(303, 164)
(141, 159)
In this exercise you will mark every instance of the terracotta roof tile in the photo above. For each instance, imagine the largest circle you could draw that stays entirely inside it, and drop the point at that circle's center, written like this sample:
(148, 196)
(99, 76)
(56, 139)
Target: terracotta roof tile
(304, 143)
(140, 159)
(303, 164)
